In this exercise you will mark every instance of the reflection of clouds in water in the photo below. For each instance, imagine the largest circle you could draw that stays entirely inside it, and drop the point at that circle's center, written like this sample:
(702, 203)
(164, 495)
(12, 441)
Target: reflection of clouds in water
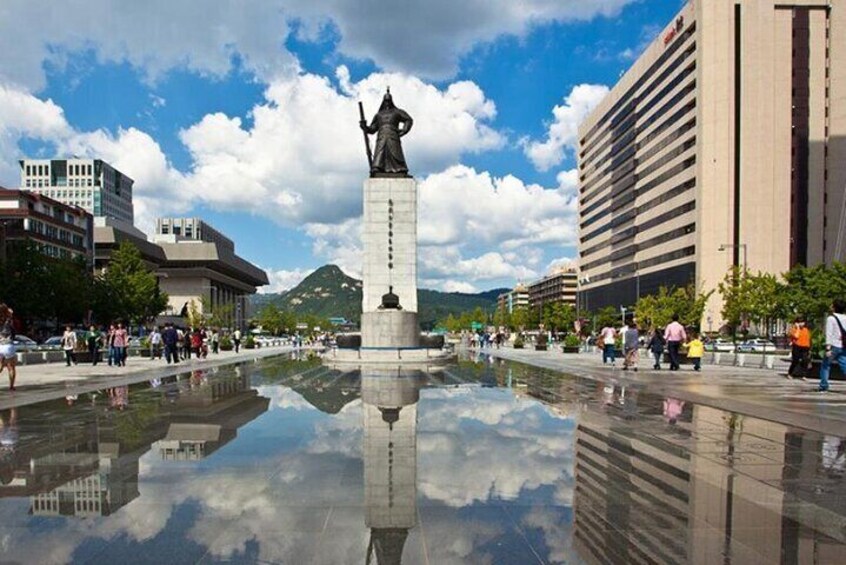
(521, 447)
(284, 398)
(472, 446)
(557, 532)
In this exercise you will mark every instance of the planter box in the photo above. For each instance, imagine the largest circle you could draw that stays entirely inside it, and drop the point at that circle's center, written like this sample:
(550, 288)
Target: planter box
(570, 348)
(834, 375)
(540, 348)
(518, 346)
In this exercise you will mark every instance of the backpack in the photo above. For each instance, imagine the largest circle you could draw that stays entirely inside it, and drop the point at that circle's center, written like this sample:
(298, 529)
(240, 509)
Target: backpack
(842, 331)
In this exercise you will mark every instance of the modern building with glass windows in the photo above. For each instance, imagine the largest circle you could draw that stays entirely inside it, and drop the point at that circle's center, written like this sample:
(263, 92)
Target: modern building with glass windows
(91, 184)
(724, 144)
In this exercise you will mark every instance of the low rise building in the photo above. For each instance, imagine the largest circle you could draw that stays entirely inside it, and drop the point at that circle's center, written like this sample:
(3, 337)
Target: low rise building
(559, 286)
(202, 269)
(59, 230)
(517, 297)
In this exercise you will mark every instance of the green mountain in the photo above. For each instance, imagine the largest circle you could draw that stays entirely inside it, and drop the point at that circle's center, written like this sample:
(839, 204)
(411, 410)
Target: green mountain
(330, 293)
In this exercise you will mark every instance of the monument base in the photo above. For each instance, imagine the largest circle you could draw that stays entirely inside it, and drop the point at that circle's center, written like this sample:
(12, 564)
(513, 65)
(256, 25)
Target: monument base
(389, 328)
(410, 358)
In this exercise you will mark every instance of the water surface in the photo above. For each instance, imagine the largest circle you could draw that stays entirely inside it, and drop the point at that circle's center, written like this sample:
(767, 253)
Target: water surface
(285, 461)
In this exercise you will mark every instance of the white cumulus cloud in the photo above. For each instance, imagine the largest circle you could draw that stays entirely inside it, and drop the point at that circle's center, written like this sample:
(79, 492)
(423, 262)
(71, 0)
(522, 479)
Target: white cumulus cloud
(562, 133)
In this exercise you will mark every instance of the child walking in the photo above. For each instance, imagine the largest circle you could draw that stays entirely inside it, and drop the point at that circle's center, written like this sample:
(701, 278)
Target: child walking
(695, 350)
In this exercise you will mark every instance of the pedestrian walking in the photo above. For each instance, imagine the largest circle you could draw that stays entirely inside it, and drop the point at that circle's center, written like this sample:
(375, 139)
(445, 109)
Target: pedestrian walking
(656, 346)
(695, 350)
(8, 355)
(215, 341)
(94, 340)
(800, 347)
(170, 339)
(197, 343)
(607, 341)
(630, 346)
(187, 339)
(674, 335)
(120, 342)
(835, 331)
(155, 344)
(236, 339)
(69, 345)
(110, 343)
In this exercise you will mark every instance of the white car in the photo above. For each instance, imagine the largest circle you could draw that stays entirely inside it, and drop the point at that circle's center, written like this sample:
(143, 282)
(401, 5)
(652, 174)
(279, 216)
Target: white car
(756, 345)
(722, 345)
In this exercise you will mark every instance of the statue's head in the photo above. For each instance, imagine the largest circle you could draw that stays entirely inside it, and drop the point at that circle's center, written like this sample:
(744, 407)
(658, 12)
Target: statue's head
(387, 101)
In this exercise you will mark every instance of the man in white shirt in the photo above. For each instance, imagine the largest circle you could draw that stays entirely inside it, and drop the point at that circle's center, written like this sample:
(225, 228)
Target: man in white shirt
(835, 326)
(155, 344)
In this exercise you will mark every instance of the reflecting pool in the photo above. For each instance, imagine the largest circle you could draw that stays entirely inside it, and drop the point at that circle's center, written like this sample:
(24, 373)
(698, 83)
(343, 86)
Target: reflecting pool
(286, 461)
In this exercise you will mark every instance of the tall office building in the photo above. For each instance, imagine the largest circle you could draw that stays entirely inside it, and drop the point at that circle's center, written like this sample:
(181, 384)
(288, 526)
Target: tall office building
(91, 184)
(725, 143)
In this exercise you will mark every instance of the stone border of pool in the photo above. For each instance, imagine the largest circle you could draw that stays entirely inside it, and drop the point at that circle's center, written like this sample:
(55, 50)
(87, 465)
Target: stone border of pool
(759, 393)
(61, 386)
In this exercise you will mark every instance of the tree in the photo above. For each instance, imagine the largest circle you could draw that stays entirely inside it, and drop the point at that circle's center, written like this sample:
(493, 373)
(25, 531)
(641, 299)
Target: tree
(41, 288)
(608, 316)
(658, 309)
(809, 291)
(559, 316)
(127, 289)
(519, 319)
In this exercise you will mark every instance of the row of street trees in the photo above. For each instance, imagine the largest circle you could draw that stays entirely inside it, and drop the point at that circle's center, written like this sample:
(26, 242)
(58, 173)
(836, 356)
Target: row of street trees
(44, 290)
(276, 321)
(750, 300)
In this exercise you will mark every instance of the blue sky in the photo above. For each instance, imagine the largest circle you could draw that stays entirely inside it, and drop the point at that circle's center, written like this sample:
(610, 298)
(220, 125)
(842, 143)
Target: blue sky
(246, 116)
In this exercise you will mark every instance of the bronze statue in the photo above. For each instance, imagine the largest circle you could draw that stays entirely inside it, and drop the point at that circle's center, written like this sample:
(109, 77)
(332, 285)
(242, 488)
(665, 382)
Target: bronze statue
(389, 125)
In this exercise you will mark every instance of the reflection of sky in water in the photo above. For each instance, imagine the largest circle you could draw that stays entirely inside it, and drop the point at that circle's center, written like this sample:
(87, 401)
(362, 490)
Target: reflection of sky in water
(493, 471)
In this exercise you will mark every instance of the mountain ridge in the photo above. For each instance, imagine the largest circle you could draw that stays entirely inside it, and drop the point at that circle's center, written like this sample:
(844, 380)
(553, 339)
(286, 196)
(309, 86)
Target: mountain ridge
(329, 292)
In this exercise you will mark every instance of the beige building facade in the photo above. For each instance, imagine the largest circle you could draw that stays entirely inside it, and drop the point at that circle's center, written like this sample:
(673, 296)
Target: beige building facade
(558, 286)
(724, 144)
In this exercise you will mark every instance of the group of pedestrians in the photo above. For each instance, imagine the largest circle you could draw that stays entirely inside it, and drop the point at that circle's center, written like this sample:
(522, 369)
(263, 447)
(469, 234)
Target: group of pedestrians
(181, 345)
(671, 339)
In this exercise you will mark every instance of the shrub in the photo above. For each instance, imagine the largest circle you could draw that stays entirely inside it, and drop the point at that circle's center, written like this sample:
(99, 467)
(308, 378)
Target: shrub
(519, 343)
(572, 340)
(226, 343)
(250, 342)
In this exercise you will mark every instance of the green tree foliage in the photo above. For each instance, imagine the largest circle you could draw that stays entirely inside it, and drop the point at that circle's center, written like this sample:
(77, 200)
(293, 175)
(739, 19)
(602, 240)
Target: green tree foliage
(127, 289)
(608, 316)
(277, 321)
(752, 298)
(38, 287)
(809, 291)
(658, 309)
(558, 316)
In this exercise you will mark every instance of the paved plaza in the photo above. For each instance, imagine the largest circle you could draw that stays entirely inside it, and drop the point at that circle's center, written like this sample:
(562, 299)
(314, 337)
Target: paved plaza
(764, 393)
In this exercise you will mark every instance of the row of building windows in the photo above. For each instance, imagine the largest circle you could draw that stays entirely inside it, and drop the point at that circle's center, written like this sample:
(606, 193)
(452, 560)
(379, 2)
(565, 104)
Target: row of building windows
(643, 246)
(44, 170)
(633, 268)
(644, 79)
(637, 111)
(628, 164)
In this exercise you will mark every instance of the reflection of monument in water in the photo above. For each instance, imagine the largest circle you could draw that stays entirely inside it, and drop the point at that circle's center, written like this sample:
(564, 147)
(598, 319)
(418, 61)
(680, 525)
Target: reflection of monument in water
(389, 401)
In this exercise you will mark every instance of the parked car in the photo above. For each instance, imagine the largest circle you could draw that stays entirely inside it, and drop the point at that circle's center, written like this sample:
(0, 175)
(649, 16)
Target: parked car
(54, 342)
(24, 343)
(723, 345)
(756, 345)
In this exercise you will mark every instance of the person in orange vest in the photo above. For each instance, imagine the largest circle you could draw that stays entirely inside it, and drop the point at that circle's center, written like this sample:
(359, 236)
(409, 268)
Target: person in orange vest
(800, 346)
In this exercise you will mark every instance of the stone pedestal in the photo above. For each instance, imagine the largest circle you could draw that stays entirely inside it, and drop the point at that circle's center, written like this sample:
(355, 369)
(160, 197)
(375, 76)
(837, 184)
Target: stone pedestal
(390, 328)
(389, 237)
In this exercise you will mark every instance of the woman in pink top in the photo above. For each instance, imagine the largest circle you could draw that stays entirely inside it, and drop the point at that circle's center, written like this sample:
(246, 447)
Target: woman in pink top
(120, 341)
(674, 336)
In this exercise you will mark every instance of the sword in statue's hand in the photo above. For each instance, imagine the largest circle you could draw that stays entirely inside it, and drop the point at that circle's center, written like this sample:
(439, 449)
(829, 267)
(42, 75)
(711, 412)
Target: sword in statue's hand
(363, 124)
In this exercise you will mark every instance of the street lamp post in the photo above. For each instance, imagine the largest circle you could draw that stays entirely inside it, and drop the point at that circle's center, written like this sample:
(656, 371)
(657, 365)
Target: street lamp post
(741, 246)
